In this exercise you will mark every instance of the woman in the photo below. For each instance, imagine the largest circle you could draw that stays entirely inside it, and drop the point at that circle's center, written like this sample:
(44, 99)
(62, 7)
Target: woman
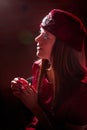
(58, 92)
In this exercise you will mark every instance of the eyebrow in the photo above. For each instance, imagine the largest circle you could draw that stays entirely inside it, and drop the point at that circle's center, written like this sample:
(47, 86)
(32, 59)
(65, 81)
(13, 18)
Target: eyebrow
(41, 31)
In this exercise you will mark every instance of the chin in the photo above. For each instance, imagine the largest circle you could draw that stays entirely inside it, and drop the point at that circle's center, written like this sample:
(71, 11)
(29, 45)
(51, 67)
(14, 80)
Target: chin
(41, 56)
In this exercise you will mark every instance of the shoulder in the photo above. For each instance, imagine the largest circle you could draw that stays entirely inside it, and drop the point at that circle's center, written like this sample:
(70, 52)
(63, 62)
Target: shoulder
(78, 105)
(75, 108)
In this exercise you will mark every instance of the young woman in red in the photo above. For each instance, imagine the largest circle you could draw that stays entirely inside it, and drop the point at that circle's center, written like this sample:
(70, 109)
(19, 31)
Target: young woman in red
(58, 93)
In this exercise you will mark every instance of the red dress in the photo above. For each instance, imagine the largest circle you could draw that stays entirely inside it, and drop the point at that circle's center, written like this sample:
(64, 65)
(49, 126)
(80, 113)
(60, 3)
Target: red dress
(72, 105)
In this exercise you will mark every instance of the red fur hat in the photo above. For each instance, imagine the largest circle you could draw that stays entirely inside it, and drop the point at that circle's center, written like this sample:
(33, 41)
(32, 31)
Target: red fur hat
(66, 27)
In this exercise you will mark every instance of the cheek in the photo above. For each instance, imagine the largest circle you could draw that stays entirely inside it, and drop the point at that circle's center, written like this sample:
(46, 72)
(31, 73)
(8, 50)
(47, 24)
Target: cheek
(50, 46)
(48, 49)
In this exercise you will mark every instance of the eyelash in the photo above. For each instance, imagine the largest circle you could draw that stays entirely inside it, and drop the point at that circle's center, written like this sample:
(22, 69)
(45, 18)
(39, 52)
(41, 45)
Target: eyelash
(45, 36)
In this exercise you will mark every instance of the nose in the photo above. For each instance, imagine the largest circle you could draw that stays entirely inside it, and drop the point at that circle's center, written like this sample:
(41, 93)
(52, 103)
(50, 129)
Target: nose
(38, 38)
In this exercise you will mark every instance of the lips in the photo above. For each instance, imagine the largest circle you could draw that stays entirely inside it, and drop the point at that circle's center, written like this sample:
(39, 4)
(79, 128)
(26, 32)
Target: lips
(38, 47)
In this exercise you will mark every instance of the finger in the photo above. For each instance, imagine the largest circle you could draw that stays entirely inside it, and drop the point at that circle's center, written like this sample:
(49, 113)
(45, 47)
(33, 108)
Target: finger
(24, 80)
(27, 90)
(30, 87)
(16, 83)
(15, 86)
(17, 94)
(16, 79)
(13, 83)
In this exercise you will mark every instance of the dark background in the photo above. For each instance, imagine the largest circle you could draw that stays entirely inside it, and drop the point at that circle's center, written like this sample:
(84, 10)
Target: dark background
(19, 24)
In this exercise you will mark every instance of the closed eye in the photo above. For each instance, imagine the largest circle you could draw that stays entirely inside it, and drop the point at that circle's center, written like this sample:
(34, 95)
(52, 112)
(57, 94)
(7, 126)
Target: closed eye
(45, 35)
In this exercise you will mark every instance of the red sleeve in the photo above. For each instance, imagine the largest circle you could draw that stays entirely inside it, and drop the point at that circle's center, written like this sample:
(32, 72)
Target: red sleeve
(74, 110)
(77, 112)
(35, 72)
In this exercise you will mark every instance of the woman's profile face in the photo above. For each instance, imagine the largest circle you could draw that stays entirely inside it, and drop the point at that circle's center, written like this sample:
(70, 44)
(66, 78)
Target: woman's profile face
(45, 41)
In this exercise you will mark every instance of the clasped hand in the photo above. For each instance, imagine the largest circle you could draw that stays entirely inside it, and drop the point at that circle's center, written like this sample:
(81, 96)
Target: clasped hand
(25, 92)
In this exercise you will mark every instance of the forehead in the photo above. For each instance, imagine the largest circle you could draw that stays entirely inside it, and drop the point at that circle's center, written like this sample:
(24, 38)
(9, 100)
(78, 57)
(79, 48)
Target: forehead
(42, 30)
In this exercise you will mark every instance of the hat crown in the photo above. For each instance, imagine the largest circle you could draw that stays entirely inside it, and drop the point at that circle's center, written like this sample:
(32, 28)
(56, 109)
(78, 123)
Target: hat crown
(66, 27)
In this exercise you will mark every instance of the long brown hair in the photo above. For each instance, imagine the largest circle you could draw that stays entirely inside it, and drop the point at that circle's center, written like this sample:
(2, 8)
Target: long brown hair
(66, 63)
